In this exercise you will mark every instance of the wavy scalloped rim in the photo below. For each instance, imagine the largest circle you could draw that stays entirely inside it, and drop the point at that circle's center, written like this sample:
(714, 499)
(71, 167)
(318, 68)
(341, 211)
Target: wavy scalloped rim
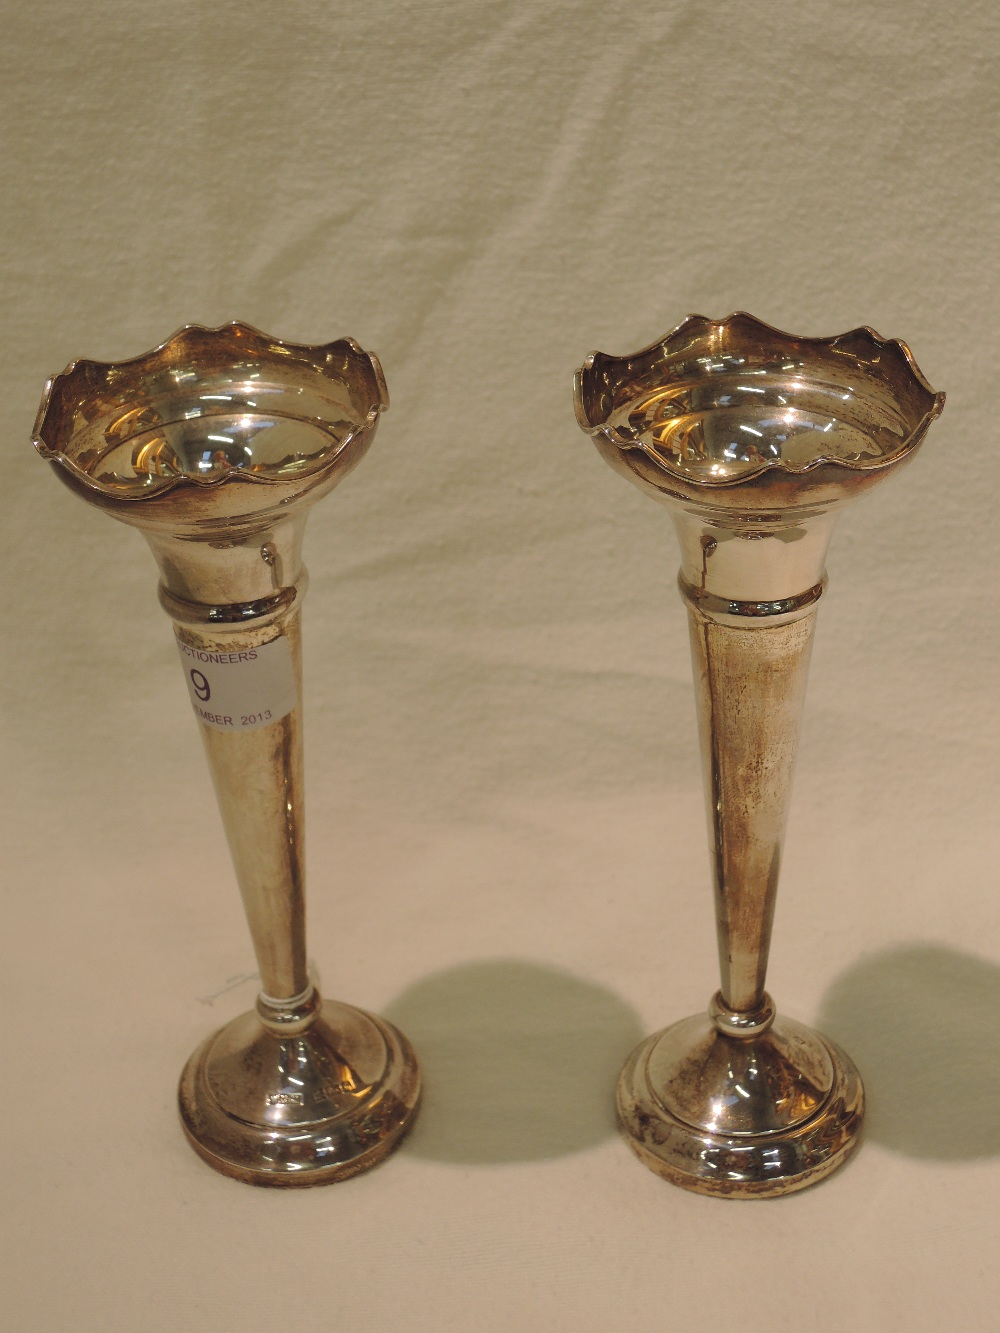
(54, 454)
(863, 333)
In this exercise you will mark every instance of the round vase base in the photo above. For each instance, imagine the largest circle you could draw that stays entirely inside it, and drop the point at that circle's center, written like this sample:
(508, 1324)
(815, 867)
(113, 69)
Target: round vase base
(300, 1108)
(740, 1117)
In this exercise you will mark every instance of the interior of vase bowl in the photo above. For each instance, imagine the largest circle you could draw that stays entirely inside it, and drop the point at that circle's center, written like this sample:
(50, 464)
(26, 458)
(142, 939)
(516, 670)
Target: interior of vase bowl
(208, 405)
(719, 402)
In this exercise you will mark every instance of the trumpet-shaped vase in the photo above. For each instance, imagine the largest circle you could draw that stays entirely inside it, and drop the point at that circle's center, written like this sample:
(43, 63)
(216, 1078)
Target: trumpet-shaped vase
(754, 439)
(215, 446)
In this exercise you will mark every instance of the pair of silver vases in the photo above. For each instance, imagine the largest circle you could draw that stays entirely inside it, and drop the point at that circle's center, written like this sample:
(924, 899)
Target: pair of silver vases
(216, 444)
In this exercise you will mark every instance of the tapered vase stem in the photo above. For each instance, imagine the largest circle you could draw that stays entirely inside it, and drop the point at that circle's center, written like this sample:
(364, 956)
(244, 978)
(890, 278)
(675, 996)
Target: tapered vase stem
(250, 725)
(752, 593)
(750, 687)
(257, 775)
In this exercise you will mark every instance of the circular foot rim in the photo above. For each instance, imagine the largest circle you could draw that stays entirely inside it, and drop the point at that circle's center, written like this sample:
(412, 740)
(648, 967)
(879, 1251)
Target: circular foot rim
(320, 1151)
(745, 1166)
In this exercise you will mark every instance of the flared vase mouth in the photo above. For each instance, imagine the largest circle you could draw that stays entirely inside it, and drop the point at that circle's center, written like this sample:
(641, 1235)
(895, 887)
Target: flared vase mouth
(719, 402)
(206, 408)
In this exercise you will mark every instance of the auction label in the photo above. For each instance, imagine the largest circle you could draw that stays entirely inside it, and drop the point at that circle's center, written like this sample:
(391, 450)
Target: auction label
(240, 690)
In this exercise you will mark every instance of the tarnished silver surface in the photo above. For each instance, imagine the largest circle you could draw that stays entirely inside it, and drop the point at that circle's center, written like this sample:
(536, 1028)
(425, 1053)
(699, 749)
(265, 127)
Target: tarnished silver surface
(316, 1094)
(740, 1116)
(753, 438)
(216, 445)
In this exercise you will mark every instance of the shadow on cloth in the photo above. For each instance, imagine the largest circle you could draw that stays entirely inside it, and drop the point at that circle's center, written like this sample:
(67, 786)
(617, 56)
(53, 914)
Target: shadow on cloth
(519, 1061)
(922, 1022)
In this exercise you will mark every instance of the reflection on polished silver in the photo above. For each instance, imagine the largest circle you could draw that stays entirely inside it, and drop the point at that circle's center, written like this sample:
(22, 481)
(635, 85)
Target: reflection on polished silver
(753, 438)
(215, 446)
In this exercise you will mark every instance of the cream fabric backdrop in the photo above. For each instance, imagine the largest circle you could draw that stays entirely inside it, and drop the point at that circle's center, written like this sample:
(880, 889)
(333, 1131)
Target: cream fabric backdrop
(507, 845)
